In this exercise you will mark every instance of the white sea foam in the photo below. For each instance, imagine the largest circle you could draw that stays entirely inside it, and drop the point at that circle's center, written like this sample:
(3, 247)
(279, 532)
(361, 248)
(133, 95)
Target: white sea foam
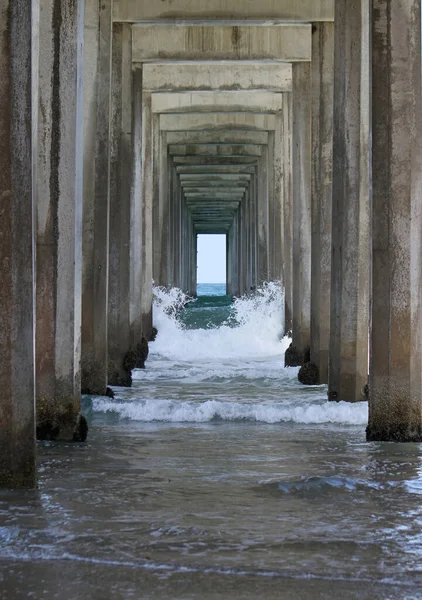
(260, 325)
(193, 412)
(234, 372)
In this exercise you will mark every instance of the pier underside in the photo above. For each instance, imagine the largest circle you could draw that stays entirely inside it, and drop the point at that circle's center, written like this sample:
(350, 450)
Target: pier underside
(129, 127)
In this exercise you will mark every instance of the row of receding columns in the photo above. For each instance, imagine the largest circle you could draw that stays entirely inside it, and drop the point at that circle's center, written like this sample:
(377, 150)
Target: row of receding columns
(71, 187)
(230, 198)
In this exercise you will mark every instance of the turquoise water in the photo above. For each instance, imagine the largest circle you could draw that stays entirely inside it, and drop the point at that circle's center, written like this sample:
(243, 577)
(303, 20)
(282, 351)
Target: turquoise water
(211, 289)
(211, 309)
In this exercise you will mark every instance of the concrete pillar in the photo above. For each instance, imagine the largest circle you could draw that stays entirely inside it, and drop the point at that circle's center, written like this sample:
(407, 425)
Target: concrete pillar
(243, 248)
(301, 158)
(322, 168)
(288, 211)
(348, 366)
(254, 216)
(135, 262)
(59, 190)
(276, 219)
(234, 254)
(263, 223)
(248, 226)
(147, 196)
(170, 202)
(96, 220)
(119, 339)
(17, 404)
(395, 374)
(176, 233)
(161, 206)
(194, 284)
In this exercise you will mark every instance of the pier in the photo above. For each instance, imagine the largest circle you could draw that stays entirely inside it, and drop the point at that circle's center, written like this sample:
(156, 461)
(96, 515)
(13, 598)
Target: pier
(130, 127)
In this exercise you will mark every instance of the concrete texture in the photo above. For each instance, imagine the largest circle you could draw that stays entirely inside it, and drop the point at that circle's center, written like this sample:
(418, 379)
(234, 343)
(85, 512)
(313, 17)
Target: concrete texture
(288, 210)
(348, 367)
(322, 167)
(96, 222)
(301, 181)
(120, 173)
(247, 101)
(295, 10)
(287, 43)
(217, 121)
(59, 219)
(135, 259)
(147, 166)
(395, 371)
(17, 404)
(213, 76)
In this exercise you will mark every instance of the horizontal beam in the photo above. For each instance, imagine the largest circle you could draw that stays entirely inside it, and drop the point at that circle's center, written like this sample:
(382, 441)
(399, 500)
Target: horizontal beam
(209, 193)
(260, 102)
(269, 76)
(203, 121)
(214, 150)
(198, 170)
(214, 185)
(212, 201)
(191, 178)
(214, 160)
(278, 10)
(286, 42)
(218, 137)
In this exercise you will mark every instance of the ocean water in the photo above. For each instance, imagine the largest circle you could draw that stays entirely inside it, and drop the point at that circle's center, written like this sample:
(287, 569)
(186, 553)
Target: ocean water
(217, 475)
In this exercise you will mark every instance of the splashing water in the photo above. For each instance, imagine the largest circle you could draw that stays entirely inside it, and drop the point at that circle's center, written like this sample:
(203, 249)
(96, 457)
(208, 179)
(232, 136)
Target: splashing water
(229, 368)
(254, 328)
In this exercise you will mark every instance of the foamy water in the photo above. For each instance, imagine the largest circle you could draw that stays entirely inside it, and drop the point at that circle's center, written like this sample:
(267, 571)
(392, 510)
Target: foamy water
(233, 372)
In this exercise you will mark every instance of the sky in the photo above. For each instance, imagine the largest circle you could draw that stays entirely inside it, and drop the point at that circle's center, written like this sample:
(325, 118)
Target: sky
(211, 258)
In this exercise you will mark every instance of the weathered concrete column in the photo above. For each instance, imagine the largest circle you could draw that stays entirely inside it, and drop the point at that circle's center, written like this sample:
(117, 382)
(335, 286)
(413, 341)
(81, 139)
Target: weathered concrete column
(301, 160)
(96, 216)
(243, 249)
(262, 209)
(59, 221)
(233, 257)
(348, 361)
(17, 403)
(135, 263)
(229, 260)
(395, 402)
(161, 225)
(288, 211)
(147, 196)
(119, 339)
(322, 168)
(176, 233)
(277, 204)
(194, 281)
(254, 218)
(248, 225)
(170, 202)
(192, 259)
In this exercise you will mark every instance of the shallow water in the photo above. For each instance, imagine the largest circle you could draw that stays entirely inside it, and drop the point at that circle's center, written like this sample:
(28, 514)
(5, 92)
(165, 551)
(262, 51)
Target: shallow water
(218, 476)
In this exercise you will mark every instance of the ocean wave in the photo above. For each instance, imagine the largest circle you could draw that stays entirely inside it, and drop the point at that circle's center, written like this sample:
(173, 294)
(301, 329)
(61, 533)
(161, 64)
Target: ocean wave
(211, 410)
(255, 328)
